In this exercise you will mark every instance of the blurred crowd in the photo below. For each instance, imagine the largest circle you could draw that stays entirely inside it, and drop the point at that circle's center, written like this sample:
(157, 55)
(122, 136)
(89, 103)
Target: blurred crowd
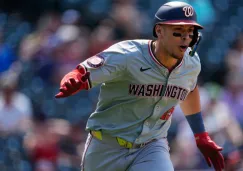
(40, 133)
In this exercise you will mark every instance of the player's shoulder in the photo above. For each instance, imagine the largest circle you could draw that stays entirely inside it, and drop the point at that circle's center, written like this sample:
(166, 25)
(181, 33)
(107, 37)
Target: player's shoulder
(192, 60)
(128, 46)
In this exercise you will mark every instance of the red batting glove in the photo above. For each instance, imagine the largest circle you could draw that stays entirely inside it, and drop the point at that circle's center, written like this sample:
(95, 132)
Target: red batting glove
(210, 151)
(73, 82)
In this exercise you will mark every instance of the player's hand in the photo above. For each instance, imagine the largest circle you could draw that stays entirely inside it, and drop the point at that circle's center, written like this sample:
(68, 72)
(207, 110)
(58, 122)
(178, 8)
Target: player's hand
(73, 82)
(210, 151)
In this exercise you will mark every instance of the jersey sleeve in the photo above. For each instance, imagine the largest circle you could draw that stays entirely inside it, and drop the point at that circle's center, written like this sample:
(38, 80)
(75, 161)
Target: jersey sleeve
(106, 66)
(194, 85)
(197, 68)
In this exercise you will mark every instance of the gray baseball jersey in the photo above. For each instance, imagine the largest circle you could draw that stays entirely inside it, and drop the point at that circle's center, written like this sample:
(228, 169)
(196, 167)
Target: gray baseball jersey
(138, 94)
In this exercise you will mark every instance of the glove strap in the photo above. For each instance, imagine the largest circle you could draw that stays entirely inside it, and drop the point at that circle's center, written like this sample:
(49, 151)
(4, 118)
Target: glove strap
(80, 68)
(203, 135)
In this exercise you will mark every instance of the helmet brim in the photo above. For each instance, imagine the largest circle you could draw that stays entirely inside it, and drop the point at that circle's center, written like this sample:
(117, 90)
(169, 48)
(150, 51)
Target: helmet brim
(182, 22)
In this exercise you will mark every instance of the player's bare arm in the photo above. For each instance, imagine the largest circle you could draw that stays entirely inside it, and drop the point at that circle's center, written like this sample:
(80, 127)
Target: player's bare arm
(191, 105)
(210, 150)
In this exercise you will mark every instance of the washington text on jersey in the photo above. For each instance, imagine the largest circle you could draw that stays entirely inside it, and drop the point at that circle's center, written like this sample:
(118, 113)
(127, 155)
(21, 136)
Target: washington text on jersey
(172, 91)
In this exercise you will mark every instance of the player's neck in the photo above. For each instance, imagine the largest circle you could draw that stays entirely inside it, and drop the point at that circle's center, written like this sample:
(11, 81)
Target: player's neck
(164, 58)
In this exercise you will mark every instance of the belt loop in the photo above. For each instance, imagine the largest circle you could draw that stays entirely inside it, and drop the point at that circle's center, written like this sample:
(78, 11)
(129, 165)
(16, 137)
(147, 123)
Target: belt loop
(121, 141)
(97, 134)
(124, 143)
(129, 145)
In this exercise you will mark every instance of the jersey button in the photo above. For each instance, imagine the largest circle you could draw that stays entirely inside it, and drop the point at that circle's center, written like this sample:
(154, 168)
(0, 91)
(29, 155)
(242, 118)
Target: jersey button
(147, 123)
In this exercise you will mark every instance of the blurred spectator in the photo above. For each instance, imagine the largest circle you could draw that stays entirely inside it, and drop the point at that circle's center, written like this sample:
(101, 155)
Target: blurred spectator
(36, 48)
(41, 144)
(7, 55)
(71, 146)
(37, 44)
(129, 20)
(71, 48)
(233, 94)
(15, 107)
(234, 59)
(102, 37)
(71, 16)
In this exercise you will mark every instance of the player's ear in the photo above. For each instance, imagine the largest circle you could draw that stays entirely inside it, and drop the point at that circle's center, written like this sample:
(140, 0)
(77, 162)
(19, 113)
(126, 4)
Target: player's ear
(159, 30)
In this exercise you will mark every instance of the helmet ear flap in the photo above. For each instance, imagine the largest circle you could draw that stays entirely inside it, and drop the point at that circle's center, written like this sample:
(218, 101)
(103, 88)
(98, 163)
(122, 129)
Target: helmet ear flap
(194, 43)
(195, 37)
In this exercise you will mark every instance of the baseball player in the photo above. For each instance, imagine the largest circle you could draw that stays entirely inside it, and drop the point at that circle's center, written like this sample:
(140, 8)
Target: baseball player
(142, 82)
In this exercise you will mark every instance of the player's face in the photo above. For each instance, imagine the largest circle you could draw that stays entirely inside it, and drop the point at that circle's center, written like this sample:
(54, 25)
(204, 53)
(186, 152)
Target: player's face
(176, 39)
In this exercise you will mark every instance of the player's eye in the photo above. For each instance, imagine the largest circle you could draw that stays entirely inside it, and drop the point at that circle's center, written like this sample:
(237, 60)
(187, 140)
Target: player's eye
(177, 34)
(180, 35)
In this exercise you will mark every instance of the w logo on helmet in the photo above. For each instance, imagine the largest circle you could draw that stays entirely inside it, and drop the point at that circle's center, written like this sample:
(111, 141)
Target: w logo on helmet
(188, 11)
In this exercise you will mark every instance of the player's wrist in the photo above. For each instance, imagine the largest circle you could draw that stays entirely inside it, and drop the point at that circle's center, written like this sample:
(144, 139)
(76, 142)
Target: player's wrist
(196, 123)
(81, 69)
(76, 73)
(202, 134)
